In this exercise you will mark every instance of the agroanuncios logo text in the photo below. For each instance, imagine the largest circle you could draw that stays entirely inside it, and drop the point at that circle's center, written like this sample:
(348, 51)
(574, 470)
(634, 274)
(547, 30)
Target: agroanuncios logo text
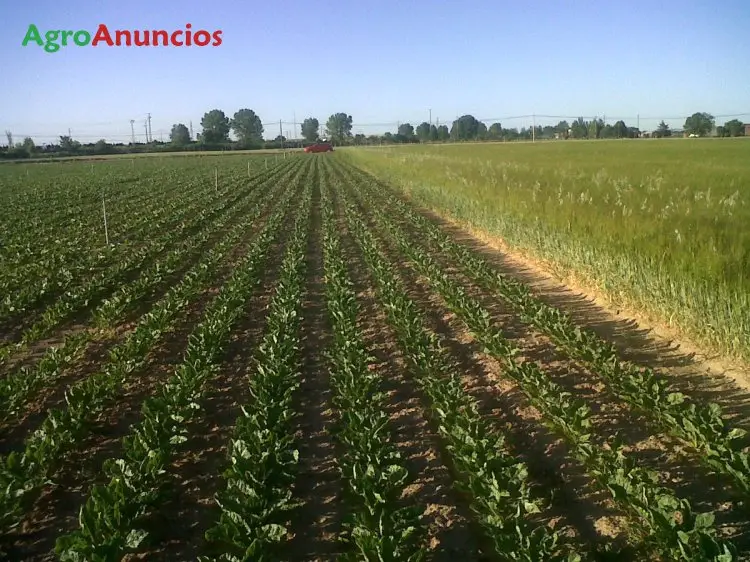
(54, 39)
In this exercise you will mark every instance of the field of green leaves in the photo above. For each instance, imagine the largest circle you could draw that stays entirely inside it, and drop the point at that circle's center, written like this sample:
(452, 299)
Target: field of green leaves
(659, 226)
(263, 358)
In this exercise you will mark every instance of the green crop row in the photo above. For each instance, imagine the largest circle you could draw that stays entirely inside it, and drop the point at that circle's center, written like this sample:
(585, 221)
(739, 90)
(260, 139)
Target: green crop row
(23, 474)
(262, 452)
(495, 480)
(700, 426)
(666, 522)
(111, 518)
(378, 529)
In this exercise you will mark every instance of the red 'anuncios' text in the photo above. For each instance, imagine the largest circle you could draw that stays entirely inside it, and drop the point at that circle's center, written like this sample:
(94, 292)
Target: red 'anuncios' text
(156, 38)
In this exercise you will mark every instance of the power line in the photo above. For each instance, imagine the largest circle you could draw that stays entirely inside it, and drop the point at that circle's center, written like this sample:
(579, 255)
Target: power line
(531, 118)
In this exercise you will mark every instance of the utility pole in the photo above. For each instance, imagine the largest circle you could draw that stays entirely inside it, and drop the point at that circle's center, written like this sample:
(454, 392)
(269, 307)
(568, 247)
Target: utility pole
(132, 131)
(430, 116)
(69, 135)
(295, 125)
(281, 135)
(638, 122)
(191, 129)
(150, 138)
(145, 126)
(533, 128)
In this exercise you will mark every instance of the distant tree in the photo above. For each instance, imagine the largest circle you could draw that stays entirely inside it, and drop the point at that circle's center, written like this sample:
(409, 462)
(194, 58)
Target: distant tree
(406, 130)
(215, 126)
(495, 132)
(359, 138)
(388, 137)
(67, 144)
(481, 131)
(28, 146)
(607, 132)
(579, 129)
(511, 134)
(280, 138)
(700, 124)
(734, 128)
(548, 132)
(620, 130)
(180, 135)
(339, 127)
(562, 128)
(465, 127)
(634, 132)
(443, 133)
(310, 129)
(433, 133)
(721, 131)
(9, 136)
(247, 127)
(102, 147)
(423, 131)
(663, 130)
(595, 128)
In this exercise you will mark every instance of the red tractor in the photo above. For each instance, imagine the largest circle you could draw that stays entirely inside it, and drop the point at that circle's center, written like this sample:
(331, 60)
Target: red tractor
(320, 147)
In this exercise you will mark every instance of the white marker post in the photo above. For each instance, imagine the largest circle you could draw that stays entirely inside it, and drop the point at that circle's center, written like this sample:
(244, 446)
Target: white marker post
(104, 212)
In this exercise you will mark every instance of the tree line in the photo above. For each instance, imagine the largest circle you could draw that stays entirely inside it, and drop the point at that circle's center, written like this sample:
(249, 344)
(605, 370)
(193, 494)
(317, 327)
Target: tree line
(248, 130)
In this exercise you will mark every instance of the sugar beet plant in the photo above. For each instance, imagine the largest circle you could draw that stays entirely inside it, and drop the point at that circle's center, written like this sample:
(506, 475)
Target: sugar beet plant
(23, 474)
(495, 480)
(700, 426)
(18, 387)
(666, 523)
(378, 529)
(262, 451)
(110, 520)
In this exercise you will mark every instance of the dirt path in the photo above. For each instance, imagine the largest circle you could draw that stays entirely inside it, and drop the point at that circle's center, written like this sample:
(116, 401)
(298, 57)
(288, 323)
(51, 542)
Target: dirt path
(317, 524)
(639, 338)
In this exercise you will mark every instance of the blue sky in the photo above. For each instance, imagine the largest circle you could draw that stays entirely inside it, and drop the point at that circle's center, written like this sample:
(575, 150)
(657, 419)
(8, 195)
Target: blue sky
(382, 62)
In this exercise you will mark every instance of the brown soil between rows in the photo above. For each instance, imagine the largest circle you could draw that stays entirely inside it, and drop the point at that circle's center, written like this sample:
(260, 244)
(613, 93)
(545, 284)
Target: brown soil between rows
(12, 327)
(577, 509)
(195, 471)
(56, 511)
(681, 472)
(316, 525)
(638, 337)
(13, 432)
(450, 530)
(81, 320)
(679, 467)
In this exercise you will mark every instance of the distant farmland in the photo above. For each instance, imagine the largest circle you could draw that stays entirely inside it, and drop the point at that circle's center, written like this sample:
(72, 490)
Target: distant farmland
(268, 358)
(658, 226)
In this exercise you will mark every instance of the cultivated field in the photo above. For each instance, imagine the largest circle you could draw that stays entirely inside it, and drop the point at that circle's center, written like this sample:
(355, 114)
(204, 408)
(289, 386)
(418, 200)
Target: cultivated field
(658, 226)
(293, 362)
